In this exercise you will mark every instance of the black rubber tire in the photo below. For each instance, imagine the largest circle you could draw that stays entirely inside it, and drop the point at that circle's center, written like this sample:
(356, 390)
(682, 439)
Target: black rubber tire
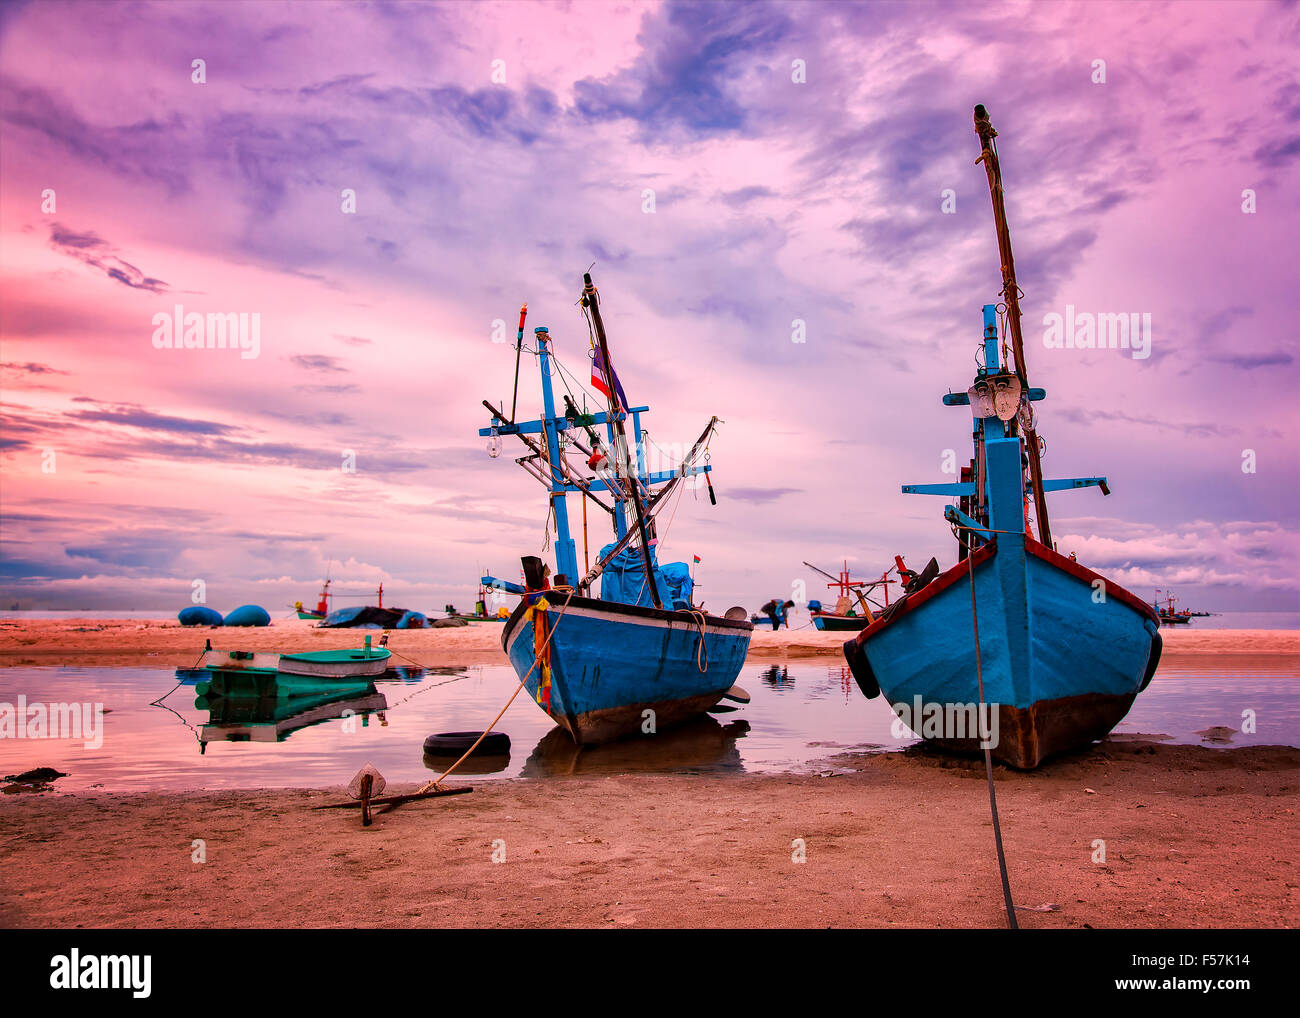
(455, 743)
(861, 669)
(1153, 662)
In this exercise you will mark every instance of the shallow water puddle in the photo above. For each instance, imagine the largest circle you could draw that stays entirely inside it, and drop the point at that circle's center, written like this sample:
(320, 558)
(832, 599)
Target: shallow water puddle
(802, 716)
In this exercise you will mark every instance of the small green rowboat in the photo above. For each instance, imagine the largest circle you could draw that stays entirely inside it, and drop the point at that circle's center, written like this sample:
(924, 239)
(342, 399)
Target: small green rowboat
(363, 663)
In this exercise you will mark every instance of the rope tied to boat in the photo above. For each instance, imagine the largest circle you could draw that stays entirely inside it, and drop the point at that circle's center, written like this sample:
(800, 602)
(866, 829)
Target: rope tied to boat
(437, 782)
(988, 752)
(701, 650)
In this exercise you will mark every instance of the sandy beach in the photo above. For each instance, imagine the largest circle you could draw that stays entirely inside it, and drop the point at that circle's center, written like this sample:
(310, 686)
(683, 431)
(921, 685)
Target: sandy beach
(164, 643)
(1194, 836)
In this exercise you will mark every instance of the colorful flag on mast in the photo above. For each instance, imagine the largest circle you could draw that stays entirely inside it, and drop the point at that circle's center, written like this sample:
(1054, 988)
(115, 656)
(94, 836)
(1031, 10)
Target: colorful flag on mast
(697, 559)
(601, 376)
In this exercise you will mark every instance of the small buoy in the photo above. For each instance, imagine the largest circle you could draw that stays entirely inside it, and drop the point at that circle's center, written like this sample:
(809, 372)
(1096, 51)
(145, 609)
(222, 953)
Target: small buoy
(455, 743)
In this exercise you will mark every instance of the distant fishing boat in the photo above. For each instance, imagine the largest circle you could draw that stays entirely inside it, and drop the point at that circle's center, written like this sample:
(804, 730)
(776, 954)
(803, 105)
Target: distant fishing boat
(373, 616)
(1169, 614)
(322, 608)
(1062, 652)
(641, 656)
(283, 670)
(844, 617)
(480, 610)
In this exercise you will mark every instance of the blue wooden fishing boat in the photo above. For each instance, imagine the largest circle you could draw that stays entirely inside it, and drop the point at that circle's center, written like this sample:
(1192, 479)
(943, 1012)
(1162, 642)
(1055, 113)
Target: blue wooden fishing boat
(641, 656)
(1062, 652)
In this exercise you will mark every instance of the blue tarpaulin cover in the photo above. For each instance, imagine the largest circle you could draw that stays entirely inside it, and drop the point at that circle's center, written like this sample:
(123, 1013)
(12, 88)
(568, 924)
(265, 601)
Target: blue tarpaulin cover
(624, 580)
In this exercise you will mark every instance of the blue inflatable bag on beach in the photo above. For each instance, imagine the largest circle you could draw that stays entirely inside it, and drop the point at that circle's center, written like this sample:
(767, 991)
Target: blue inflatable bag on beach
(199, 615)
(248, 615)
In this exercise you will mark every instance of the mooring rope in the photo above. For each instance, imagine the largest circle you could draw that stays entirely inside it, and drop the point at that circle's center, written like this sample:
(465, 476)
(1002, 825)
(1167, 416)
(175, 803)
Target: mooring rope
(702, 650)
(437, 783)
(159, 701)
(988, 752)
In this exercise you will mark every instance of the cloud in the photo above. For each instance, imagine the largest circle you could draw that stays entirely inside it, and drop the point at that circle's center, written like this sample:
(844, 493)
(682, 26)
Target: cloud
(760, 496)
(776, 201)
(317, 362)
(744, 195)
(1275, 154)
(1250, 555)
(32, 368)
(1249, 362)
(327, 390)
(97, 253)
(137, 150)
(1088, 417)
(129, 415)
(684, 80)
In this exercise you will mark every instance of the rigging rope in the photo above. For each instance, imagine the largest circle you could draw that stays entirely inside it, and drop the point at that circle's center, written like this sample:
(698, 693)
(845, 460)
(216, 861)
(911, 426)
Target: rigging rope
(437, 783)
(988, 752)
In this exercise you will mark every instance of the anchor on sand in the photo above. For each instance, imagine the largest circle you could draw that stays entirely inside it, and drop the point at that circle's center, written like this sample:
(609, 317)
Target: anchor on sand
(369, 783)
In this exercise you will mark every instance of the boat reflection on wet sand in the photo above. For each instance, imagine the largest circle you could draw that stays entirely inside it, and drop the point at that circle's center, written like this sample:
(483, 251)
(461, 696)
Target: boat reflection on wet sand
(271, 718)
(777, 676)
(700, 744)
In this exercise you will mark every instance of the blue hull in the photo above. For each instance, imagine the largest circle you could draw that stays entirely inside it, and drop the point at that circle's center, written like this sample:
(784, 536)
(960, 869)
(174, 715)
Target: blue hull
(608, 663)
(828, 622)
(1061, 662)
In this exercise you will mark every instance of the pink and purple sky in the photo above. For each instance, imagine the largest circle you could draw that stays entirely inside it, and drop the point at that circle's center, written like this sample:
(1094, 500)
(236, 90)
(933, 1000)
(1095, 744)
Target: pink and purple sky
(498, 150)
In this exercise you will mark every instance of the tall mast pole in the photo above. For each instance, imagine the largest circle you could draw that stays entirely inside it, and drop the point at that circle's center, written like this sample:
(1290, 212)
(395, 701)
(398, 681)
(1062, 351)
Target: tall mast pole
(1011, 294)
(566, 554)
(519, 346)
(591, 302)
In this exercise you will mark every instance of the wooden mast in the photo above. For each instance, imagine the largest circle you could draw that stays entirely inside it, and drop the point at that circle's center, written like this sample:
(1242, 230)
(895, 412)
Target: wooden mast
(683, 471)
(591, 302)
(1011, 294)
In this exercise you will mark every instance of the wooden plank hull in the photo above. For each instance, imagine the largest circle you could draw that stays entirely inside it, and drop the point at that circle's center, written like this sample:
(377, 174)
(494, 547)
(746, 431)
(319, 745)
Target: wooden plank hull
(608, 663)
(1064, 652)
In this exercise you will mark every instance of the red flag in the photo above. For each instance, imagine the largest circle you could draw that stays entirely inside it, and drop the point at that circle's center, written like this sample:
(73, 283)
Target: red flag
(601, 376)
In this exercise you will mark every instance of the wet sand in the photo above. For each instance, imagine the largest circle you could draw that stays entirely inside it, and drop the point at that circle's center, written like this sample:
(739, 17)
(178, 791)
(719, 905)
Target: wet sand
(166, 644)
(1194, 837)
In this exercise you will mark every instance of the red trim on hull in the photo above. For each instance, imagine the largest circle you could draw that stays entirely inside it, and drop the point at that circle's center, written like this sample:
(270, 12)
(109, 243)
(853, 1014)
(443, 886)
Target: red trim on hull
(935, 587)
(1036, 548)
